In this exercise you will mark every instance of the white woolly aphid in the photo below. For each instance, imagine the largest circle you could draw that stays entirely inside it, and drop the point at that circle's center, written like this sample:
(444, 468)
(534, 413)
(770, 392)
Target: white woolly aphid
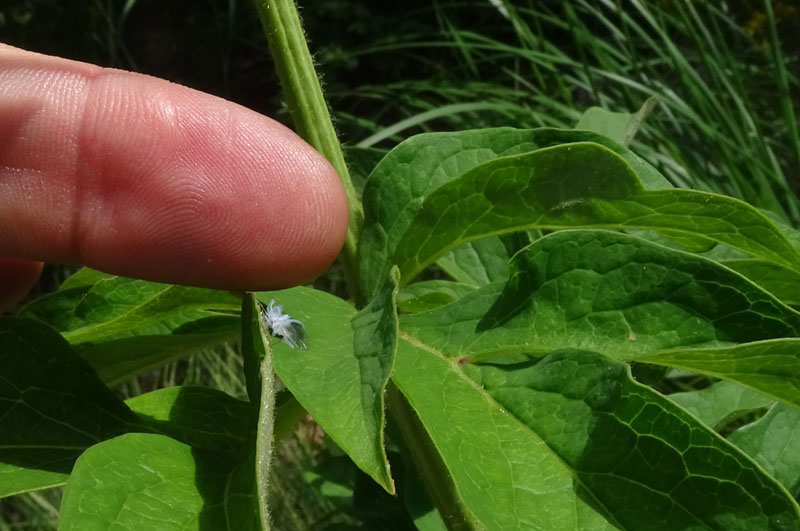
(291, 331)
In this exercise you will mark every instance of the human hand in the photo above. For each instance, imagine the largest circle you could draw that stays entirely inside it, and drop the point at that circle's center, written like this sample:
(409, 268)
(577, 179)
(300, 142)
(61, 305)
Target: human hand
(140, 177)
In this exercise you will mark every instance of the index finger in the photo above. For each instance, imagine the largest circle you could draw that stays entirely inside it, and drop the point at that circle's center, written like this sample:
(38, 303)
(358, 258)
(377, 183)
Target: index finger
(141, 177)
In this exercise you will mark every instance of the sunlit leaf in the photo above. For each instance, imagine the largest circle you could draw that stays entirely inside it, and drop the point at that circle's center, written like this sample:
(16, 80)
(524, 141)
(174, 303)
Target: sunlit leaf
(575, 185)
(147, 481)
(572, 432)
(340, 378)
(401, 183)
(123, 326)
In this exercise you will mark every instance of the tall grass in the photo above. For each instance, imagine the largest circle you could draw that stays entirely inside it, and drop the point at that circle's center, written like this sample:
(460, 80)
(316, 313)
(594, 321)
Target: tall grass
(727, 115)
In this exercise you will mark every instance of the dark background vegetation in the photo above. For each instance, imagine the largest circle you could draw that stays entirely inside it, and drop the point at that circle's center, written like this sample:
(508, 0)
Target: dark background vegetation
(725, 75)
(543, 64)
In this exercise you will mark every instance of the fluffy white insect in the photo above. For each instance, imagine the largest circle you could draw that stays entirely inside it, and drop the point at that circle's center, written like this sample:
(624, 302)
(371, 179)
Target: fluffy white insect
(291, 331)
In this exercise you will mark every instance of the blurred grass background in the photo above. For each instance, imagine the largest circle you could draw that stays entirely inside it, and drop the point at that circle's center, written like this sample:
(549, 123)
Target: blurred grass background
(725, 75)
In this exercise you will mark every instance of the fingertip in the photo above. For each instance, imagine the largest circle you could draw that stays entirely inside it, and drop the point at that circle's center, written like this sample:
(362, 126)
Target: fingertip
(208, 193)
(149, 179)
(18, 278)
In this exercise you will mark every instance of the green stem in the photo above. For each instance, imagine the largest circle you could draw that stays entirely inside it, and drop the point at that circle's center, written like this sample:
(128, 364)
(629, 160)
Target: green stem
(260, 380)
(264, 436)
(303, 95)
(435, 476)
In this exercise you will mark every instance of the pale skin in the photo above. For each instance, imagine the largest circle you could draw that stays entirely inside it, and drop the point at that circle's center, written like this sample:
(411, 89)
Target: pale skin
(141, 177)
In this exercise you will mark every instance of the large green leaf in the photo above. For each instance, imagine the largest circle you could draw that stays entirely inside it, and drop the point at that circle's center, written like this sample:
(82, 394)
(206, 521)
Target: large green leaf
(430, 294)
(781, 281)
(608, 292)
(123, 326)
(774, 442)
(201, 417)
(116, 307)
(374, 345)
(619, 126)
(149, 481)
(721, 403)
(483, 261)
(340, 378)
(630, 299)
(52, 407)
(568, 440)
(119, 359)
(770, 367)
(401, 182)
(575, 185)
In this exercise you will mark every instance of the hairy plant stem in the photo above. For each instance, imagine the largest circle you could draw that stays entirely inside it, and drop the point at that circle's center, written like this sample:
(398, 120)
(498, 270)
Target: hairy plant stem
(309, 112)
(303, 94)
(265, 436)
(260, 380)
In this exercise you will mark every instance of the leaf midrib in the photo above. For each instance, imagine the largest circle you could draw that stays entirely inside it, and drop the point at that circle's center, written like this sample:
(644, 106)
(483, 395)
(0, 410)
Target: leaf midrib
(456, 369)
(113, 326)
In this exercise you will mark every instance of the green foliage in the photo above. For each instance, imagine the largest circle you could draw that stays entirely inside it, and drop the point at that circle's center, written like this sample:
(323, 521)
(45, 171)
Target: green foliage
(774, 441)
(340, 378)
(726, 119)
(549, 260)
(536, 349)
(110, 319)
(53, 407)
(168, 485)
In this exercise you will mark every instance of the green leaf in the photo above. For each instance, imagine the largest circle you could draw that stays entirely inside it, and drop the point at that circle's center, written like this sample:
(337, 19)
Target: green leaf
(483, 261)
(430, 294)
(782, 282)
(84, 277)
(361, 161)
(770, 367)
(338, 379)
(123, 326)
(632, 300)
(120, 359)
(570, 439)
(288, 412)
(198, 416)
(16, 479)
(118, 307)
(685, 242)
(774, 442)
(618, 126)
(576, 185)
(608, 292)
(334, 479)
(255, 348)
(414, 169)
(721, 403)
(418, 498)
(52, 407)
(433, 472)
(148, 481)
(374, 345)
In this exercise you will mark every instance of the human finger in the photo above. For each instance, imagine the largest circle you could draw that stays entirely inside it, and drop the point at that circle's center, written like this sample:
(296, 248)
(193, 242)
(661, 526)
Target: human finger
(17, 277)
(137, 176)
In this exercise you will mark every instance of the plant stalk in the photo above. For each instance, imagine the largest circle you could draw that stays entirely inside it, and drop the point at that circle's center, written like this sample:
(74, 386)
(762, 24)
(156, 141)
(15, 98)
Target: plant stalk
(432, 470)
(309, 111)
(260, 380)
